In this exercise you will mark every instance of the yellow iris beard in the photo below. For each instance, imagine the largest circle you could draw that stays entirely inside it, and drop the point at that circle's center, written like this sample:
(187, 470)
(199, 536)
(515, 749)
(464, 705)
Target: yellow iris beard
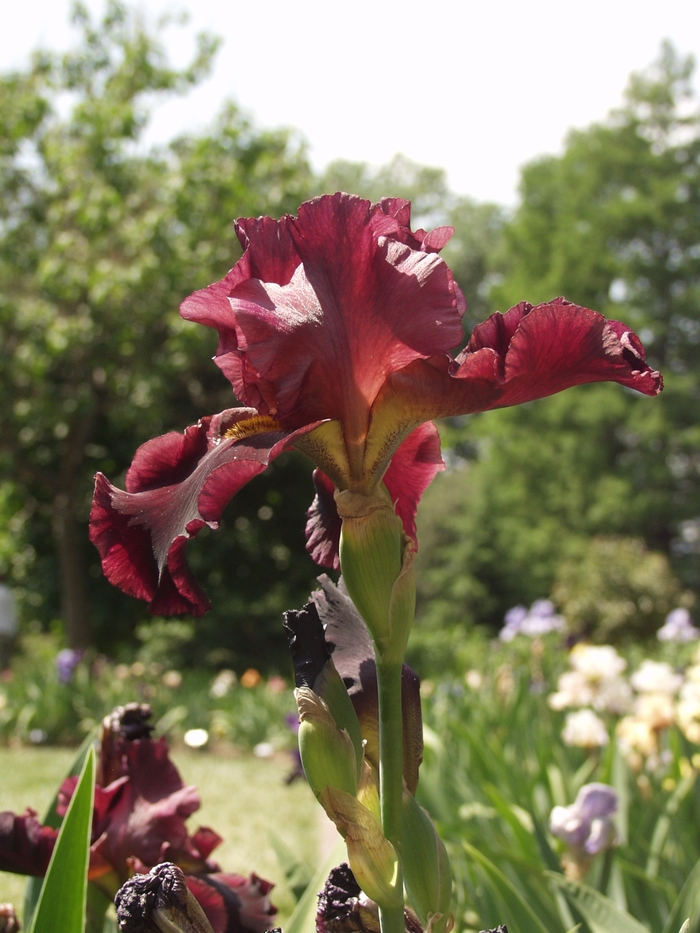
(260, 424)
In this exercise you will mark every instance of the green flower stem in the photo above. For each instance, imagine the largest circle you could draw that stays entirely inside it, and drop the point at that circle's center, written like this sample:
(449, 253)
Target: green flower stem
(391, 774)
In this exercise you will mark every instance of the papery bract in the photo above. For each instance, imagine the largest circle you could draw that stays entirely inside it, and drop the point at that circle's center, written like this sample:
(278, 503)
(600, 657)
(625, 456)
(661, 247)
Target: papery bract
(334, 330)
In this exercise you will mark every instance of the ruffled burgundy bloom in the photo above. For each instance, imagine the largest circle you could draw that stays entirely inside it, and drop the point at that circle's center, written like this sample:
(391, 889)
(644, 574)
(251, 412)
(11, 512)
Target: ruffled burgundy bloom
(25, 845)
(139, 814)
(140, 808)
(335, 329)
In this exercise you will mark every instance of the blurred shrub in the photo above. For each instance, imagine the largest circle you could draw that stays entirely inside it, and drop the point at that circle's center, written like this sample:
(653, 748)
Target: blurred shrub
(164, 642)
(39, 706)
(616, 590)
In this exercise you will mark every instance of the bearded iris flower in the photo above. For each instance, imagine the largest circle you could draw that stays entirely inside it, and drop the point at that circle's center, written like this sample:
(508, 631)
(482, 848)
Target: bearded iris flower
(140, 809)
(334, 330)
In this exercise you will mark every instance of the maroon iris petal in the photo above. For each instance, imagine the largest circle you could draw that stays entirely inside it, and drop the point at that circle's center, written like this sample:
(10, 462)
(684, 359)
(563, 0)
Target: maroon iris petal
(412, 469)
(25, 845)
(365, 299)
(177, 484)
(270, 256)
(525, 354)
(557, 345)
(234, 903)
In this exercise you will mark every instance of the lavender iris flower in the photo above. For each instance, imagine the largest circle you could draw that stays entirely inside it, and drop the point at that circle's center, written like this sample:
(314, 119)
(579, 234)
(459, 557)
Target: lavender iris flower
(586, 825)
(66, 662)
(540, 619)
(678, 627)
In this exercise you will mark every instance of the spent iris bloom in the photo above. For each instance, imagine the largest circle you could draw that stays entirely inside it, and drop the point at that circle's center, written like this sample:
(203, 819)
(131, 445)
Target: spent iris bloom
(334, 330)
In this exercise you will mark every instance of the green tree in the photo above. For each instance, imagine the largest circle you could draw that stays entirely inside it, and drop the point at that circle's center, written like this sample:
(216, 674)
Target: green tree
(613, 224)
(99, 242)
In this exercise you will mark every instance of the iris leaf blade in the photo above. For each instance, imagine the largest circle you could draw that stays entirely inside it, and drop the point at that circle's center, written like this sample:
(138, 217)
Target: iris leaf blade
(61, 904)
(51, 818)
(600, 913)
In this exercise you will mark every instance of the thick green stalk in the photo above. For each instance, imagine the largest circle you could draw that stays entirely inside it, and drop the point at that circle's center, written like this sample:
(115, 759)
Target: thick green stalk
(391, 774)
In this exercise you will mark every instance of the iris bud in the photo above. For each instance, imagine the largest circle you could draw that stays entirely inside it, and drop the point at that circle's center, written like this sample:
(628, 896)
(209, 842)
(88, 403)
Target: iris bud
(426, 867)
(375, 562)
(372, 858)
(327, 752)
(330, 687)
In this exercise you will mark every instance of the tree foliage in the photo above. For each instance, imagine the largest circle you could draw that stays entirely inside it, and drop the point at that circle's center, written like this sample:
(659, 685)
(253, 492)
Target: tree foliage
(614, 224)
(100, 239)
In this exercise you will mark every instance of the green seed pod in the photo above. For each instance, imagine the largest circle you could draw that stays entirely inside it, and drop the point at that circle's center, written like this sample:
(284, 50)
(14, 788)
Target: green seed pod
(426, 867)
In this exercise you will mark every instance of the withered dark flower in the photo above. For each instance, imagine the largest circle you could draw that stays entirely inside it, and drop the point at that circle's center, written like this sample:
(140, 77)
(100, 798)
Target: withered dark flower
(159, 902)
(330, 626)
(343, 908)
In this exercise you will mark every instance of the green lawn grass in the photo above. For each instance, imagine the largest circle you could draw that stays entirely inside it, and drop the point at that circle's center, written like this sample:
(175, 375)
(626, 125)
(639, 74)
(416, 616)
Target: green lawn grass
(243, 798)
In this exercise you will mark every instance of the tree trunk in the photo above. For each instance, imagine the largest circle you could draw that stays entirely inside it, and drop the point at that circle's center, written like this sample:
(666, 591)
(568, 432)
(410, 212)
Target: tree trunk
(69, 537)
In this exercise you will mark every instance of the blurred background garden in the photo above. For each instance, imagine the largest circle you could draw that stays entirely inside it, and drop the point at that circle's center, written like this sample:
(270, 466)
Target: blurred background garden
(589, 500)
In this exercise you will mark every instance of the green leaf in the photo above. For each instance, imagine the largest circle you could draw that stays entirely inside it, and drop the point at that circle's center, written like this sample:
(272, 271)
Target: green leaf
(96, 907)
(61, 905)
(303, 920)
(664, 823)
(51, 818)
(686, 905)
(516, 909)
(296, 873)
(600, 912)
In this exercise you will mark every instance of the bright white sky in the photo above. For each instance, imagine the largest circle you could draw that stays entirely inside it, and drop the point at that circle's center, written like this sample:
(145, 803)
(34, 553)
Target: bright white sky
(478, 86)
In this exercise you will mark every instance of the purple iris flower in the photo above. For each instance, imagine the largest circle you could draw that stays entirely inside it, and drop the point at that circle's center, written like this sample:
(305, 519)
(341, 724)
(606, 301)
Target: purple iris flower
(66, 662)
(587, 824)
(540, 619)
